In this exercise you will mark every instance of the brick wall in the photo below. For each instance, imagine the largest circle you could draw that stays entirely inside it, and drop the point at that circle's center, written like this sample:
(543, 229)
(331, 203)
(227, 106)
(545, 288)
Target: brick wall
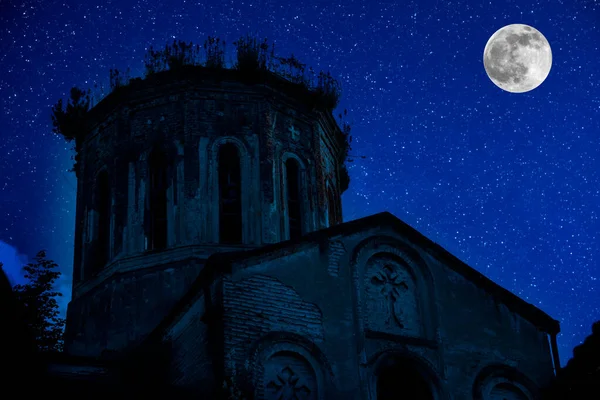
(123, 309)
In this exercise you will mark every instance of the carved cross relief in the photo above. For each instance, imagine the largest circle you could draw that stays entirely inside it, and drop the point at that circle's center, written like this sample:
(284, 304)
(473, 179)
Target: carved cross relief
(293, 132)
(391, 286)
(287, 386)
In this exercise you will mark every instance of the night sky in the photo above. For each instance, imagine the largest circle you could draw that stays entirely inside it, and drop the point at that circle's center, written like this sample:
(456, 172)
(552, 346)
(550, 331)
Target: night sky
(507, 182)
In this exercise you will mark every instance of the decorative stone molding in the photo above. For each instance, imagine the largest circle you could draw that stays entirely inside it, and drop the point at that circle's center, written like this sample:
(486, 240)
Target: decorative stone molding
(391, 279)
(283, 365)
(499, 382)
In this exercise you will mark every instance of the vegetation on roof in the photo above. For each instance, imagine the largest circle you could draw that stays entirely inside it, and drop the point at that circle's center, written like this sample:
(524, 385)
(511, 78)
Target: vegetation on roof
(255, 62)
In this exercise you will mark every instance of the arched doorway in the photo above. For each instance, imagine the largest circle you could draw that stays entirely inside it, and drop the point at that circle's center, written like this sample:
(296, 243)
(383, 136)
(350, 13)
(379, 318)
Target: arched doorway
(400, 379)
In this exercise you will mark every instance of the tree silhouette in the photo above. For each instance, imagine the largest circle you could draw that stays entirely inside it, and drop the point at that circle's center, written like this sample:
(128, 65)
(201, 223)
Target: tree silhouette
(18, 344)
(580, 378)
(37, 299)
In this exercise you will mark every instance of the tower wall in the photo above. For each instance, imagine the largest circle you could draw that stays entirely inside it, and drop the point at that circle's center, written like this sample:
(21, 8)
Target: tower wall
(117, 303)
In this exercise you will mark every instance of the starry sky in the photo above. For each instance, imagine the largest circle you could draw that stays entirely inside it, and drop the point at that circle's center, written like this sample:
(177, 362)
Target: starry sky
(507, 182)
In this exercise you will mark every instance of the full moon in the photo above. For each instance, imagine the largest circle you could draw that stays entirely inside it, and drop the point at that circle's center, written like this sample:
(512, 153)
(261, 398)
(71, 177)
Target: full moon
(517, 58)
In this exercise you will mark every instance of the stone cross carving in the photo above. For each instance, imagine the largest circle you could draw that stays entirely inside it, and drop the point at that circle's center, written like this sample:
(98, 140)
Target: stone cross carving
(293, 131)
(391, 284)
(286, 386)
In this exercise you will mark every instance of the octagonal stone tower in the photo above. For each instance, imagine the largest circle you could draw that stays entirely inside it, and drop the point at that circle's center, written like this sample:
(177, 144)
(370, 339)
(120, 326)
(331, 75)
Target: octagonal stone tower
(181, 165)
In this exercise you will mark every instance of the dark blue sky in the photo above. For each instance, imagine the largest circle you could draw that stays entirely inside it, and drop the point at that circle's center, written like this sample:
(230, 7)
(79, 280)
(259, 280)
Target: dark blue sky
(507, 182)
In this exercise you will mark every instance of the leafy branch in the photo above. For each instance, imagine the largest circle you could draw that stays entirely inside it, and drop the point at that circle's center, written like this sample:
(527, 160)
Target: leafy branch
(215, 53)
(70, 121)
(252, 55)
(38, 298)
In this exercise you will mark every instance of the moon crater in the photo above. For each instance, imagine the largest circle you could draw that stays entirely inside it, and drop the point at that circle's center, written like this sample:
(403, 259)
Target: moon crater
(517, 58)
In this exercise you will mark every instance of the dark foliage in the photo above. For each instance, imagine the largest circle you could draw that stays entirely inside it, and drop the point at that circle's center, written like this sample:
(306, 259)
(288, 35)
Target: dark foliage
(19, 349)
(118, 80)
(70, 121)
(580, 378)
(252, 55)
(255, 63)
(328, 91)
(347, 147)
(215, 53)
(174, 56)
(38, 301)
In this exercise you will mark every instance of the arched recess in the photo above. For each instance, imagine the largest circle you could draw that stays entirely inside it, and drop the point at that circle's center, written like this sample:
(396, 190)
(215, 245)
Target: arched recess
(385, 262)
(157, 213)
(332, 206)
(398, 373)
(302, 205)
(245, 187)
(501, 382)
(284, 364)
(102, 221)
(230, 194)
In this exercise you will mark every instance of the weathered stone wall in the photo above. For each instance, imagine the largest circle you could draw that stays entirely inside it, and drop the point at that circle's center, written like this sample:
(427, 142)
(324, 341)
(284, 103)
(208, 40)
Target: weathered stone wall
(479, 331)
(123, 309)
(349, 302)
(289, 316)
(188, 123)
(191, 362)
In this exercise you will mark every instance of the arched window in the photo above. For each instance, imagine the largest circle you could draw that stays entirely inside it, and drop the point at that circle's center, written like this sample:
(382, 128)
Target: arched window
(332, 207)
(157, 235)
(294, 208)
(230, 195)
(103, 203)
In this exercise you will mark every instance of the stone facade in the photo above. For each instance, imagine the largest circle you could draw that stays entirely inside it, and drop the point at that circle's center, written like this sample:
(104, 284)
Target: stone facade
(296, 304)
(290, 323)
(124, 297)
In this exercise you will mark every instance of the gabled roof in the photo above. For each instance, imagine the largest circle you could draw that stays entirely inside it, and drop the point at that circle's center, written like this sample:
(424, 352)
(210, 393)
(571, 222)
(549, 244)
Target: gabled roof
(221, 263)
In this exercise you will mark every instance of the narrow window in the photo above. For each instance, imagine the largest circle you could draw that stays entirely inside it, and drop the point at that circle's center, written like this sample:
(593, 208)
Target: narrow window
(230, 196)
(103, 233)
(293, 198)
(157, 237)
(332, 209)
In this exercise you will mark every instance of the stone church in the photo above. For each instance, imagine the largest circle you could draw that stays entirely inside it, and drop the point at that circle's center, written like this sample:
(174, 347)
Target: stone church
(210, 239)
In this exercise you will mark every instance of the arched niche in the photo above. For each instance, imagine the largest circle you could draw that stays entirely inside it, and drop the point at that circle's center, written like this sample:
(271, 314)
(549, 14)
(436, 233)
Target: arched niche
(398, 373)
(157, 190)
(305, 224)
(283, 365)
(394, 289)
(213, 187)
(333, 214)
(158, 185)
(501, 382)
(101, 223)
